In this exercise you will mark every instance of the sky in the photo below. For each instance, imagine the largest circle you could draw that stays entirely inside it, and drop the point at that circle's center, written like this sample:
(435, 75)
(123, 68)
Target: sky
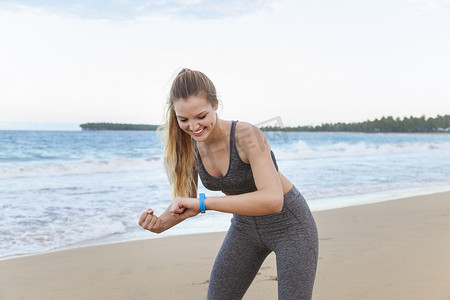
(63, 63)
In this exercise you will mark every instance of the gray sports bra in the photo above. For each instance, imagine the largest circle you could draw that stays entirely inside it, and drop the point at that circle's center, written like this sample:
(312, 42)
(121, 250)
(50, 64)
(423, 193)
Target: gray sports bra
(239, 177)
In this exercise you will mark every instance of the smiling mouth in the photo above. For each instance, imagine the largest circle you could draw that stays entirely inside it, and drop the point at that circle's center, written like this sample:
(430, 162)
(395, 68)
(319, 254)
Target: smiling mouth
(199, 131)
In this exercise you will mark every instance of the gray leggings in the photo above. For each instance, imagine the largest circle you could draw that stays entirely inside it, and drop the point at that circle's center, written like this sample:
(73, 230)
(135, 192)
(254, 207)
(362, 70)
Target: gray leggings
(291, 234)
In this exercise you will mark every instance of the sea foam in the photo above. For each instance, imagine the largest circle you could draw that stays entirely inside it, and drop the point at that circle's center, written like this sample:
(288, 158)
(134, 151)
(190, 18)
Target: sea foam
(85, 166)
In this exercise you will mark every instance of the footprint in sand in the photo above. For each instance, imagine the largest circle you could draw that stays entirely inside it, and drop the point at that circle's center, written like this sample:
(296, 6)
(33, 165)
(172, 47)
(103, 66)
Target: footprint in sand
(200, 283)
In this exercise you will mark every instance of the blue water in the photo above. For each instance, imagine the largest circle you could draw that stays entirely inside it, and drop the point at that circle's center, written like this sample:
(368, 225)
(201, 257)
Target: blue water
(63, 189)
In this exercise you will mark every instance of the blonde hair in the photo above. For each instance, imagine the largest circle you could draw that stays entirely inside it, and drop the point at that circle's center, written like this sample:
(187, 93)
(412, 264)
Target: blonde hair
(179, 152)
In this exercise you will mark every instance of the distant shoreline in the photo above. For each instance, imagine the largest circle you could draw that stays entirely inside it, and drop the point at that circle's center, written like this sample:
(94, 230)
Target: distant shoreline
(117, 126)
(293, 131)
(438, 125)
(262, 129)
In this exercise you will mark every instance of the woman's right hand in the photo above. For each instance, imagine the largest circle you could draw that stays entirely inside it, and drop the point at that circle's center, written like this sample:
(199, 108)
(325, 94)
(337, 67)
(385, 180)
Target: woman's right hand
(151, 222)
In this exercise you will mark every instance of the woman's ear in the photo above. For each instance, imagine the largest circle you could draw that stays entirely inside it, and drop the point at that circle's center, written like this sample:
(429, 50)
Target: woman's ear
(216, 104)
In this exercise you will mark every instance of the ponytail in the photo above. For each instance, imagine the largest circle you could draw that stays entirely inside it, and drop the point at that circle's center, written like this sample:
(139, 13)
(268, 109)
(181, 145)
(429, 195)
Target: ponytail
(179, 153)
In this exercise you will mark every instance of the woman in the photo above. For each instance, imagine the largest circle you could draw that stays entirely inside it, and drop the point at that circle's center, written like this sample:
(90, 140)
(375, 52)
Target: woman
(234, 157)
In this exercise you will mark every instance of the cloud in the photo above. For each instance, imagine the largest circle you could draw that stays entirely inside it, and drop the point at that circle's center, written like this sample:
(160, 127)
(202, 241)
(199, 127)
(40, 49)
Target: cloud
(135, 9)
(427, 6)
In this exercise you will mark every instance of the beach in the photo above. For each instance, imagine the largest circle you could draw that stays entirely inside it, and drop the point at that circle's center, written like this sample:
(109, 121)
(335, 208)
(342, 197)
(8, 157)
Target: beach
(396, 249)
(69, 188)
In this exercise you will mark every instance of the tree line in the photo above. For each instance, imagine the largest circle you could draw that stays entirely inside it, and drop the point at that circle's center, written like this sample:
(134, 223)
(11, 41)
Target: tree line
(117, 126)
(385, 124)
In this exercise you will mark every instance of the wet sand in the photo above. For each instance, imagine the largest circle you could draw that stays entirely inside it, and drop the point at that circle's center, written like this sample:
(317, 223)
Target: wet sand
(397, 249)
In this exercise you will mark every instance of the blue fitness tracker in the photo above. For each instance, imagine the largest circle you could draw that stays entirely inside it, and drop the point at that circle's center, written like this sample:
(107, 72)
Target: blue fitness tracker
(202, 203)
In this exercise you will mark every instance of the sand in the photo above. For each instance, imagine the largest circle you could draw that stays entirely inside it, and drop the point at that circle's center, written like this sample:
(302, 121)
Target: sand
(397, 249)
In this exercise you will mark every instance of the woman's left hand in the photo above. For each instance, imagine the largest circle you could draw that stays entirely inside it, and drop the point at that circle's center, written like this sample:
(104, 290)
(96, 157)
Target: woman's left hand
(183, 208)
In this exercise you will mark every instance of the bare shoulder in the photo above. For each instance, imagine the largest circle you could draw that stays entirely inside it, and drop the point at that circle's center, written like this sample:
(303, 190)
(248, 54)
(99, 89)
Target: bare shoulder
(245, 130)
(249, 139)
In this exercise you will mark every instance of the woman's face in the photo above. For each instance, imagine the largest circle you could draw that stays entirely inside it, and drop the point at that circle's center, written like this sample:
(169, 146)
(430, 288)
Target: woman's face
(196, 116)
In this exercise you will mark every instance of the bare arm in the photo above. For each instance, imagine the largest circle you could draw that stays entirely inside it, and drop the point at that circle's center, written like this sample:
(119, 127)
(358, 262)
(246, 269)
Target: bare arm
(159, 224)
(166, 220)
(268, 198)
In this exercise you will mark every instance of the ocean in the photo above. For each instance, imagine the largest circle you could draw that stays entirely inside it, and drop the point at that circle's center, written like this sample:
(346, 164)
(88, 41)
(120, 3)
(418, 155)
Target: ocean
(64, 189)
